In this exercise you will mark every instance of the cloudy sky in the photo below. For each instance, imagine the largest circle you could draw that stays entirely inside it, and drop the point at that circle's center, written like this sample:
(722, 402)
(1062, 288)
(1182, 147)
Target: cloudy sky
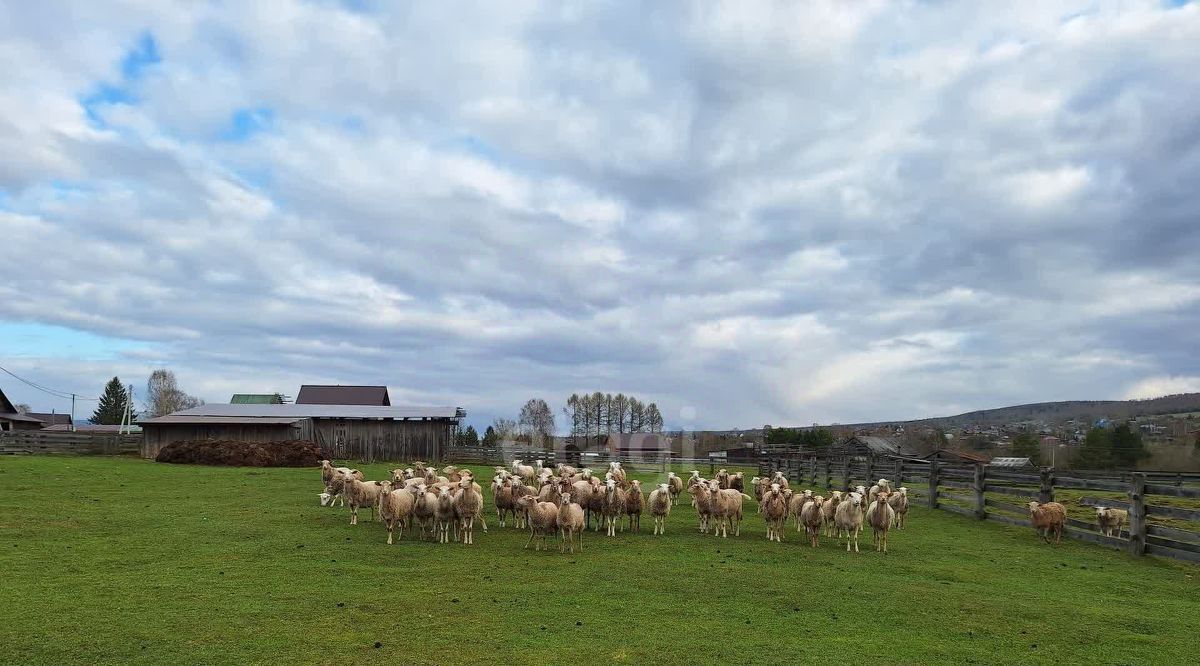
(748, 212)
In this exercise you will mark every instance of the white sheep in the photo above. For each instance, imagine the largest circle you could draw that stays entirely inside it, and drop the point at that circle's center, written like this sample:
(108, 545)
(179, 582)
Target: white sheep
(468, 506)
(881, 485)
(774, 509)
(395, 508)
(1110, 519)
(360, 494)
(880, 516)
(443, 515)
(899, 502)
(570, 524)
(812, 517)
(727, 509)
(660, 507)
(674, 486)
(849, 519)
(614, 506)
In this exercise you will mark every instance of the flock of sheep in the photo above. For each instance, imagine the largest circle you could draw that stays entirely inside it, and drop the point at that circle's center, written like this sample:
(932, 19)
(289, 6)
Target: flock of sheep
(566, 502)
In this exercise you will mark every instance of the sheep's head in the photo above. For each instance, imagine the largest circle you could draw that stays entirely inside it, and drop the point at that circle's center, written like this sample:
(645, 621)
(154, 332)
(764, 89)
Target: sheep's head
(856, 499)
(695, 474)
(663, 487)
(775, 487)
(325, 498)
(637, 485)
(807, 493)
(443, 491)
(566, 498)
(326, 464)
(903, 491)
(466, 482)
(884, 482)
(1033, 506)
(384, 486)
(738, 475)
(670, 475)
(1101, 511)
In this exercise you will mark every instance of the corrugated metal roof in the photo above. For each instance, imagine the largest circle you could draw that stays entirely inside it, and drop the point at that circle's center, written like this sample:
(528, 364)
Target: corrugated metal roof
(297, 411)
(180, 418)
(88, 427)
(1011, 462)
(256, 399)
(318, 394)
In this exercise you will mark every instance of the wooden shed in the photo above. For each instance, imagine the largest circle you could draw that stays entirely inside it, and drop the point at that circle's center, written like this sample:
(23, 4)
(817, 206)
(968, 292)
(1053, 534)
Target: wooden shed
(364, 432)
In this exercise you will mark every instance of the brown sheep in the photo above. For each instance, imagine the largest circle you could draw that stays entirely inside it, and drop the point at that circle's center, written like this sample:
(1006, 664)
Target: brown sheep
(395, 507)
(635, 503)
(722, 479)
(899, 502)
(570, 524)
(674, 486)
(828, 508)
(737, 481)
(812, 516)
(1048, 519)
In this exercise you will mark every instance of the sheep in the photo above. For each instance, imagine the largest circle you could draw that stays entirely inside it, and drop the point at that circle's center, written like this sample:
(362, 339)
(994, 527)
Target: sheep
(796, 502)
(526, 472)
(674, 486)
(722, 479)
(362, 493)
(618, 474)
(703, 503)
(452, 473)
(335, 488)
(395, 508)
(519, 490)
(727, 509)
(564, 469)
(780, 479)
(849, 519)
(880, 516)
(1048, 519)
(828, 508)
(737, 481)
(399, 476)
(594, 504)
(543, 519)
(424, 507)
(694, 478)
(327, 471)
(899, 502)
(660, 507)
(760, 483)
(614, 506)
(882, 484)
(570, 524)
(635, 503)
(548, 493)
(812, 516)
(468, 505)
(443, 515)
(774, 509)
(419, 467)
(502, 497)
(1109, 519)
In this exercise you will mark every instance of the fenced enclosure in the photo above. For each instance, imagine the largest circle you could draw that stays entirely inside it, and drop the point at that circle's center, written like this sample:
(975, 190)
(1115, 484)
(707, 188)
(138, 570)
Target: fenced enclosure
(40, 441)
(1164, 508)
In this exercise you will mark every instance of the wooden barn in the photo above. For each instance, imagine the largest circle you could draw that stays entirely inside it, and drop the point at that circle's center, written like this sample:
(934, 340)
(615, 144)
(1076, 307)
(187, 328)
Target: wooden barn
(11, 419)
(363, 432)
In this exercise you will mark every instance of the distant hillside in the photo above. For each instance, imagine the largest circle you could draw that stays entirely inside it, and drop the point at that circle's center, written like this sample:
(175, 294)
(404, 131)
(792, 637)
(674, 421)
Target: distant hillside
(1080, 410)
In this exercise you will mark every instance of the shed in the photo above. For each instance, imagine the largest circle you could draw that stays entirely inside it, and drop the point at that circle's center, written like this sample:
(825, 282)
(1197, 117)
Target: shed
(364, 432)
(11, 419)
(323, 394)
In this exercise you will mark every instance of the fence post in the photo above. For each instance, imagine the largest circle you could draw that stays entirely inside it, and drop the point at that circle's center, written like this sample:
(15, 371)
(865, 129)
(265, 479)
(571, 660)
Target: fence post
(1137, 514)
(933, 483)
(1046, 491)
(899, 472)
(846, 471)
(980, 481)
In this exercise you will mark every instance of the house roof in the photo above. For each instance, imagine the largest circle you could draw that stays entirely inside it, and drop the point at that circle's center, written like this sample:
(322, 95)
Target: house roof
(201, 419)
(51, 419)
(299, 411)
(256, 399)
(963, 455)
(1011, 462)
(320, 394)
(89, 427)
(881, 445)
(6, 406)
(14, 416)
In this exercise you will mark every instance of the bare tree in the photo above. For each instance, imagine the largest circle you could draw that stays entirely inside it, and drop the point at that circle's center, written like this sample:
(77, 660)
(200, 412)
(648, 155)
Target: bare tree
(536, 420)
(505, 428)
(22, 408)
(163, 395)
(619, 412)
(654, 419)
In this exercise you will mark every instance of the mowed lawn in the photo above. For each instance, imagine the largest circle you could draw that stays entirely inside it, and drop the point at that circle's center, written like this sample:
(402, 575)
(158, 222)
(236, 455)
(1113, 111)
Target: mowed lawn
(123, 560)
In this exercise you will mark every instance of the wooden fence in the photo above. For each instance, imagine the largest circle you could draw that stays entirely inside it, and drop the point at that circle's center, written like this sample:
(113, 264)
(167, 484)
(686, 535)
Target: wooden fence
(999, 494)
(595, 459)
(38, 441)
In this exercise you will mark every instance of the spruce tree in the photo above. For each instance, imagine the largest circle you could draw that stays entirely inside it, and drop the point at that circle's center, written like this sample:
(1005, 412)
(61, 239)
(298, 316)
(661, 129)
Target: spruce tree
(112, 405)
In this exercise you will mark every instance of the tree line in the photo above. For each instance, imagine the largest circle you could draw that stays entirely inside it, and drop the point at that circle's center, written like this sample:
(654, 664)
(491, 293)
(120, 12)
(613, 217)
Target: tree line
(595, 414)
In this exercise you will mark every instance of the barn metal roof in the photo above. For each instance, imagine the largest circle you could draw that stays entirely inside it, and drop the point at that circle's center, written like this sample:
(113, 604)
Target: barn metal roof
(319, 394)
(1011, 462)
(200, 419)
(317, 411)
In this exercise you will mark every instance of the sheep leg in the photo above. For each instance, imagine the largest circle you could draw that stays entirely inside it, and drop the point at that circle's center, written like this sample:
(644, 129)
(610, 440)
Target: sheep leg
(353, 514)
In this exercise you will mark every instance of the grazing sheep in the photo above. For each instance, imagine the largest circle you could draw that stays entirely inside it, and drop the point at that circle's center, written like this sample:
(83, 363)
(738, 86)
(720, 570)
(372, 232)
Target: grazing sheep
(702, 500)
(443, 515)
(395, 508)
(1110, 519)
(570, 524)
(362, 493)
(635, 503)
(880, 516)
(614, 506)
(722, 479)
(727, 510)
(774, 509)
(828, 508)
(881, 485)
(737, 481)
(468, 505)
(849, 519)
(660, 507)
(899, 502)
(812, 518)
(674, 486)
(1048, 519)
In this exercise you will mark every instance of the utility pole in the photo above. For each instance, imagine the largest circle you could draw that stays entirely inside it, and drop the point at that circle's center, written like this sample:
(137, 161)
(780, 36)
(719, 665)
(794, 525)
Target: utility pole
(72, 412)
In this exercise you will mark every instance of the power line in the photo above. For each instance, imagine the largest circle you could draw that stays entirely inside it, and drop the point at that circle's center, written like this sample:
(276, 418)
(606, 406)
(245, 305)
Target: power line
(65, 395)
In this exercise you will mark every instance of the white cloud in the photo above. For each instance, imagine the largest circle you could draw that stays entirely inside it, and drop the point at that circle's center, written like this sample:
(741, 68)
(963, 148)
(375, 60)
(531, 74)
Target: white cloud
(1155, 387)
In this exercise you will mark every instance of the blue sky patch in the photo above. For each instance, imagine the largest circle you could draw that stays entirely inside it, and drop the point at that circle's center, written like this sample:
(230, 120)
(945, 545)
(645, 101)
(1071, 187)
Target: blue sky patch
(245, 123)
(47, 340)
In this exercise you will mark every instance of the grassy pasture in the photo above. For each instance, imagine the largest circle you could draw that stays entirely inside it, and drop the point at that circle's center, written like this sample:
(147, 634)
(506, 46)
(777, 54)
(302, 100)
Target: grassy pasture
(110, 560)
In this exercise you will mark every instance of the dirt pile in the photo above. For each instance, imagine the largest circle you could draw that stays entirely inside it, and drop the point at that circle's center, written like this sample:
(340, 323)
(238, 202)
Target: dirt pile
(291, 453)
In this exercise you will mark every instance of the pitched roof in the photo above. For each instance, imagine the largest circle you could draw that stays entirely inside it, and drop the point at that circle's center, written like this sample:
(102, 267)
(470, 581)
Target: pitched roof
(51, 419)
(320, 394)
(6, 406)
(256, 399)
(1011, 462)
(881, 445)
(90, 427)
(961, 455)
(299, 411)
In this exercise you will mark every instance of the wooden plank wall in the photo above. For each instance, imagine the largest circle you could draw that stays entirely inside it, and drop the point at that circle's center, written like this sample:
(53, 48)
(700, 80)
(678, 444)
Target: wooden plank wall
(37, 441)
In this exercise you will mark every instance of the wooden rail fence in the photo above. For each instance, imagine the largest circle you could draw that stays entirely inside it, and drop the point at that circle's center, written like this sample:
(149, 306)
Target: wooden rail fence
(37, 441)
(1000, 494)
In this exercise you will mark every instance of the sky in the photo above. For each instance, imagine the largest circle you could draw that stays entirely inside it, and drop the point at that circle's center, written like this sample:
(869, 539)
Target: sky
(746, 212)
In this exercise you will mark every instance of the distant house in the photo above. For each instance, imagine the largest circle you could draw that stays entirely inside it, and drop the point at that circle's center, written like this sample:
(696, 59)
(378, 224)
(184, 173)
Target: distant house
(256, 399)
(962, 457)
(640, 444)
(320, 394)
(11, 419)
(52, 419)
(872, 445)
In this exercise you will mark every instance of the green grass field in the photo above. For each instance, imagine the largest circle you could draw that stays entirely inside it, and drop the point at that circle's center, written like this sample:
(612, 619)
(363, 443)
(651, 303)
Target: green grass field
(122, 560)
